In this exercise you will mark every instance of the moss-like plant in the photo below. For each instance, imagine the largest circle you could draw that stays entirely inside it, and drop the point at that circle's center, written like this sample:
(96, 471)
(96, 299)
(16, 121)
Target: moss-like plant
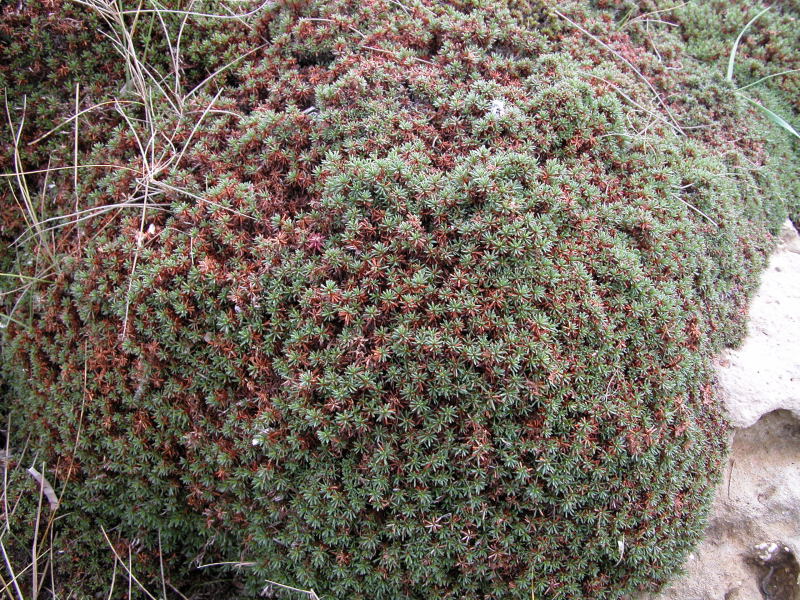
(406, 300)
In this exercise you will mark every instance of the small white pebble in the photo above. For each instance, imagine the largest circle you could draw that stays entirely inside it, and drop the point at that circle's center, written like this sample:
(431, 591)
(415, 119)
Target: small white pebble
(766, 550)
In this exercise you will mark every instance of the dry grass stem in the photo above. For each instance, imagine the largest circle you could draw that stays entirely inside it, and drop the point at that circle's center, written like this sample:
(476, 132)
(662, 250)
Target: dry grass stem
(675, 125)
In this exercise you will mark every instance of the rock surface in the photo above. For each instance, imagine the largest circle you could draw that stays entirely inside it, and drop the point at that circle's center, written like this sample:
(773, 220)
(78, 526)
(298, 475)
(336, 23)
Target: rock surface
(753, 538)
(753, 533)
(764, 374)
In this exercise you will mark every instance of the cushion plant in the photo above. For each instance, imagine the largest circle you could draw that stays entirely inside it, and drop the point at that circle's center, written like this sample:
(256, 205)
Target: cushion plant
(391, 300)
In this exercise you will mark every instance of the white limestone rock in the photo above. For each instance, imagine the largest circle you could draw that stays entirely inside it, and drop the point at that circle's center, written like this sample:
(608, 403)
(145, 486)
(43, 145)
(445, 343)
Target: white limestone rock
(764, 374)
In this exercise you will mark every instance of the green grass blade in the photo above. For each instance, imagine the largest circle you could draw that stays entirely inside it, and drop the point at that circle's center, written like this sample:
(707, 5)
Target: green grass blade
(774, 117)
(732, 58)
(749, 85)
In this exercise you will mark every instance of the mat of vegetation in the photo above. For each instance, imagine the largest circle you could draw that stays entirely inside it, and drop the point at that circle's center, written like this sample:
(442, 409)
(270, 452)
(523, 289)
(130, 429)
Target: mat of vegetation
(387, 299)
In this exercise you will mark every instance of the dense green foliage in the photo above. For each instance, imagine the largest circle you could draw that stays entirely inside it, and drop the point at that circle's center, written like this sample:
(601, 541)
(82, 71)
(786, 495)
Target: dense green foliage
(408, 300)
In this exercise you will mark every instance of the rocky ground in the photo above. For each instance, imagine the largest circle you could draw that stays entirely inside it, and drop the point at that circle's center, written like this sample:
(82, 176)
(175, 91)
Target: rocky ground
(752, 543)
